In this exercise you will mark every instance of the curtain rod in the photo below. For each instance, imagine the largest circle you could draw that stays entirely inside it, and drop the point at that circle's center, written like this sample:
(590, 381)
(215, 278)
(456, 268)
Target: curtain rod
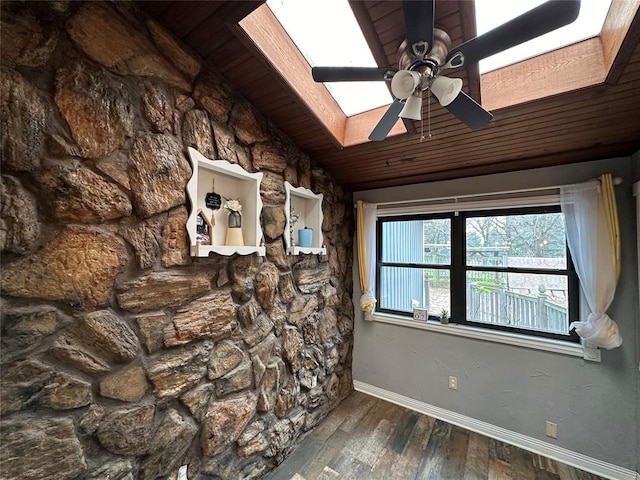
(616, 181)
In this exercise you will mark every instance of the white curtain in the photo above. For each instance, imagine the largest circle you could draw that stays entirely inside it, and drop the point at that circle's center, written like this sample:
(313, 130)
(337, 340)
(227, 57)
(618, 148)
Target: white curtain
(594, 259)
(367, 255)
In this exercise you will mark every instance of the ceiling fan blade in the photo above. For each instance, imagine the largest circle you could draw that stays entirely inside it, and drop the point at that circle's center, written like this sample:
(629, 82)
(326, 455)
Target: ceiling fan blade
(469, 111)
(351, 74)
(543, 19)
(418, 22)
(387, 121)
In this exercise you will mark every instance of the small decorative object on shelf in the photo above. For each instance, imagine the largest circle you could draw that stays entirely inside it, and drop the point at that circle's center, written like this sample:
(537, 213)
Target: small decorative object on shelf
(444, 316)
(235, 213)
(203, 229)
(235, 220)
(212, 199)
(234, 225)
(305, 237)
(420, 314)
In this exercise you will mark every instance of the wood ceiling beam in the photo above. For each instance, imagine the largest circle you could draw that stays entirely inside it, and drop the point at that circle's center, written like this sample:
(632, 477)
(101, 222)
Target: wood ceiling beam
(359, 126)
(262, 33)
(620, 36)
(570, 68)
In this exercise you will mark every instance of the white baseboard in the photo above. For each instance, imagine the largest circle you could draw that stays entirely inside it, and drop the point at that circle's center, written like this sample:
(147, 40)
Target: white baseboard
(574, 459)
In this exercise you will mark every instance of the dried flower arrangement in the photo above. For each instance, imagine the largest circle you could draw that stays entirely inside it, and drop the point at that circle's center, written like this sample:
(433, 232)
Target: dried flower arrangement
(233, 206)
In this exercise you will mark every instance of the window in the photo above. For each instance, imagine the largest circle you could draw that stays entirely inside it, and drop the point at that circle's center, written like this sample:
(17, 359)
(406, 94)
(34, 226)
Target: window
(491, 14)
(308, 22)
(505, 269)
(267, 33)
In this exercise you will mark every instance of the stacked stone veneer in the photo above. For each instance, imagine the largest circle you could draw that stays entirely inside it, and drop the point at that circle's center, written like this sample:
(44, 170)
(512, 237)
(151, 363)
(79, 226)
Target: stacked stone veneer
(122, 357)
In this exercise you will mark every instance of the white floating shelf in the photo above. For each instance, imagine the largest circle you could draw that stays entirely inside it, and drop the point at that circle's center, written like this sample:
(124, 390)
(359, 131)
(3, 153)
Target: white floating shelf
(309, 206)
(230, 181)
(306, 250)
(205, 250)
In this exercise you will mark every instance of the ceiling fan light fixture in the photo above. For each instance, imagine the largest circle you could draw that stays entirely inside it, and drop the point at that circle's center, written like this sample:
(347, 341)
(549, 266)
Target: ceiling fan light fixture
(404, 83)
(446, 89)
(426, 51)
(412, 107)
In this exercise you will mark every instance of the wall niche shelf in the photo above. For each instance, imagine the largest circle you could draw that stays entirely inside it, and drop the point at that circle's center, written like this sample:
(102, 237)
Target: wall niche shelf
(230, 181)
(308, 206)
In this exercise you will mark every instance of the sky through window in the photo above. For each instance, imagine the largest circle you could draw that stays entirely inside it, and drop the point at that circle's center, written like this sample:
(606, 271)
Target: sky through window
(492, 13)
(327, 34)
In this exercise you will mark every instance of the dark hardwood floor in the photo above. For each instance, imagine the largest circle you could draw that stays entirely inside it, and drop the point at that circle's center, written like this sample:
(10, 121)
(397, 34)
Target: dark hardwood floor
(368, 438)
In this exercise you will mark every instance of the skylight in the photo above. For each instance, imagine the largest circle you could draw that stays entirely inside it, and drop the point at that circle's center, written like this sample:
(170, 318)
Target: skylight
(327, 34)
(492, 13)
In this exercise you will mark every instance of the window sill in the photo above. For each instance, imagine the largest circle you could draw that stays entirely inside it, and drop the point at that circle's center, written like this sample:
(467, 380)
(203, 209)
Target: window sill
(555, 346)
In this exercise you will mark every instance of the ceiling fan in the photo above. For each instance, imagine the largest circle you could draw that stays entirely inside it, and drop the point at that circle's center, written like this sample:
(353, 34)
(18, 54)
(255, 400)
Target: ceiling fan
(427, 52)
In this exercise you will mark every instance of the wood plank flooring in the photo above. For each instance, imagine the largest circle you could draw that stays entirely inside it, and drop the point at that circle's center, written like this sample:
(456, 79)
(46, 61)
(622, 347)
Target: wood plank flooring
(368, 438)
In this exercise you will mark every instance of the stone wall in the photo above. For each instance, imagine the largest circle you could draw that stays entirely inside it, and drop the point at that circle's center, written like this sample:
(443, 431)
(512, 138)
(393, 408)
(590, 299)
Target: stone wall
(122, 357)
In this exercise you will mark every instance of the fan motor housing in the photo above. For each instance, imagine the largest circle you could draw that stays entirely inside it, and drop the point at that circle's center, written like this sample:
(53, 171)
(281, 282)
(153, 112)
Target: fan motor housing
(430, 63)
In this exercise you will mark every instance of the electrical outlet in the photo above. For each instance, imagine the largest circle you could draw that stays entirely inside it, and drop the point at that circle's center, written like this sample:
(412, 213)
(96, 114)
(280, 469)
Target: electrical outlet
(591, 354)
(551, 429)
(453, 383)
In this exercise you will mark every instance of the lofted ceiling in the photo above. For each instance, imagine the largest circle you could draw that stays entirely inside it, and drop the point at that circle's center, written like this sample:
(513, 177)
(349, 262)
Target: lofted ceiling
(585, 123)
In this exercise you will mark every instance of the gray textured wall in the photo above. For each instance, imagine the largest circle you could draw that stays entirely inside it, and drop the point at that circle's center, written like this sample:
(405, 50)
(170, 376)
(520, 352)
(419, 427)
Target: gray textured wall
(594, 404)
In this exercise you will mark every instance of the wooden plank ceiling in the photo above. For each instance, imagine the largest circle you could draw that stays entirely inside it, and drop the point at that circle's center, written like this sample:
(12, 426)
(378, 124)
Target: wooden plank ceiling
(591, 123)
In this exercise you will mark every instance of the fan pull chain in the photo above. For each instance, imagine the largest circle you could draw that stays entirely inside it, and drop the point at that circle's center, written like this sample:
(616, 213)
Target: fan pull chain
(421, 126)
(429, 113)
(422, 137)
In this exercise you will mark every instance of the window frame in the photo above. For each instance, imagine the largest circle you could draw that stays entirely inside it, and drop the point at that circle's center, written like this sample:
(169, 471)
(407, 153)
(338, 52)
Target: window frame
(458, 269)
